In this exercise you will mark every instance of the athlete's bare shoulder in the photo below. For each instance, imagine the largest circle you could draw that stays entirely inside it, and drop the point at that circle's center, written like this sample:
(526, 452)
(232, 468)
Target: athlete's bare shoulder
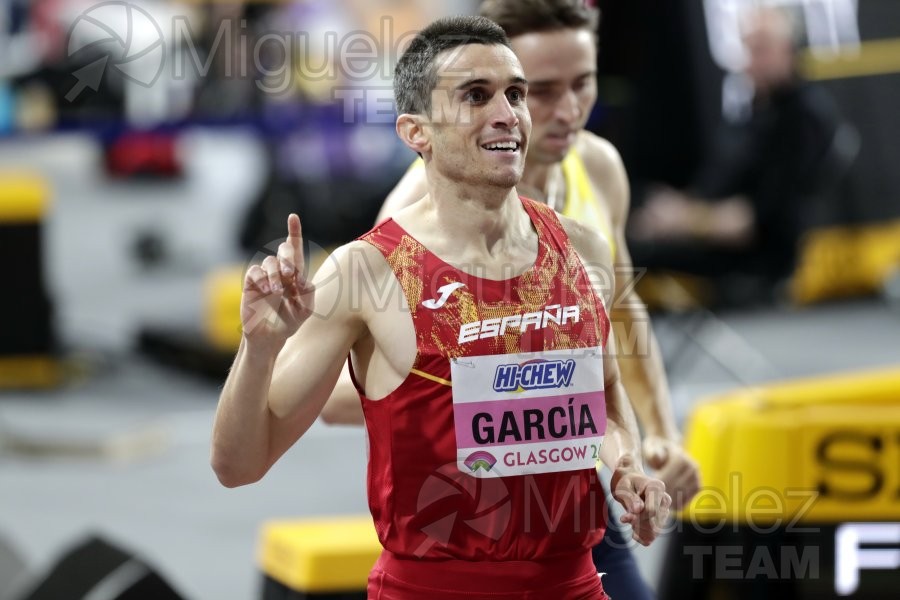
(589, 242)
(597, 153)
(607, 173)
(356, 275)
(593, 247)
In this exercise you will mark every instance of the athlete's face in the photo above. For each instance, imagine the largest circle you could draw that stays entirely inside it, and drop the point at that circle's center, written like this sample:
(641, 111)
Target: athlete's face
(479, 122)
(561, 67)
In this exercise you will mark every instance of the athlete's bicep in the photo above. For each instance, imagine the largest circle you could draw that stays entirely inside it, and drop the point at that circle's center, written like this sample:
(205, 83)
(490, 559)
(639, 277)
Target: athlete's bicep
(412, 187)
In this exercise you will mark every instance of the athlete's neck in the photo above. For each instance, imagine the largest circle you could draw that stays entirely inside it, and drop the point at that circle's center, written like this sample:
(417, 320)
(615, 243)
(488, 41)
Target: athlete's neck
(481, 217)
(537, 175)
(543, 182)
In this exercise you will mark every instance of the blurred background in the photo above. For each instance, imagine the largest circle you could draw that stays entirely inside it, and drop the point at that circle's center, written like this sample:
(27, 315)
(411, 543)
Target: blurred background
(150, 149)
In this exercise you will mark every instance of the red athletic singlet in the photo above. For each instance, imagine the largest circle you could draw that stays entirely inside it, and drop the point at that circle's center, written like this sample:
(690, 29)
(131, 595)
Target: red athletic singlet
(448, 533)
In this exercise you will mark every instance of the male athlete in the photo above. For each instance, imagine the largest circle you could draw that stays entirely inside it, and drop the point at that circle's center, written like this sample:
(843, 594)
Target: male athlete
(580, 175)
(480, 353)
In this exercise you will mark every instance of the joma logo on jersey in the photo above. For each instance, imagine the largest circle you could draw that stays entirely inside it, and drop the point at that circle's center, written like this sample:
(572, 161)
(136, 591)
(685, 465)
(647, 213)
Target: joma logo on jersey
(534, 375)
(539, 319)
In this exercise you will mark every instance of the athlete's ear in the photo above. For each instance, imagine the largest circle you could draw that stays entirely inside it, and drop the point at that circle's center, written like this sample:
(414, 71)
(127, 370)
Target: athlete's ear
(414, 132)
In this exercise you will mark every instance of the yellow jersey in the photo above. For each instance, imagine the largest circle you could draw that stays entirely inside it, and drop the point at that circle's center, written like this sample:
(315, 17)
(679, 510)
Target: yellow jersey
(580, 203)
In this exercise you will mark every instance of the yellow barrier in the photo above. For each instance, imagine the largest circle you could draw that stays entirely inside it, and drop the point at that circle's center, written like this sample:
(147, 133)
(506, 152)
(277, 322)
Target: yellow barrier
(23, 198)
(30, 372)
(796, 478)
(872, 57)
(822, 450)
(839, 262)
(312, 556)
(222, 299)
(26, 359)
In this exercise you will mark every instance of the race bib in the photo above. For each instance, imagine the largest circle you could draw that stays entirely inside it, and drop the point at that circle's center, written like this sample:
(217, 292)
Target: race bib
(521, 414)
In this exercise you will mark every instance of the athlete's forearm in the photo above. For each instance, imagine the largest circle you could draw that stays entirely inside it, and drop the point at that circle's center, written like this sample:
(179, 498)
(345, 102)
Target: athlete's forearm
(621, 443)
(241, 432)
(643, 373)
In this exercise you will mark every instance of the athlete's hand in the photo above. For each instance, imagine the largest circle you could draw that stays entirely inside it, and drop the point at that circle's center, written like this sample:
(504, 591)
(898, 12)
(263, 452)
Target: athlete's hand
(277, 297)
(645, 500)
(675, 467)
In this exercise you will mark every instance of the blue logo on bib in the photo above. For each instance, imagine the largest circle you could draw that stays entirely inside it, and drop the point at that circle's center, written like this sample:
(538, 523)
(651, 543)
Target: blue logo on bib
(535, 374)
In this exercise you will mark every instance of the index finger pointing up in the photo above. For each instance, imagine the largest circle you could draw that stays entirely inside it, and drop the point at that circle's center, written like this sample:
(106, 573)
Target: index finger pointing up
(295, 239)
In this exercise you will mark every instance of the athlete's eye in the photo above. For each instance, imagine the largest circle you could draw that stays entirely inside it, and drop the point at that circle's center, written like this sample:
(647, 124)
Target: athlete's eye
(515, 95)
(475, 95)
(583, 83)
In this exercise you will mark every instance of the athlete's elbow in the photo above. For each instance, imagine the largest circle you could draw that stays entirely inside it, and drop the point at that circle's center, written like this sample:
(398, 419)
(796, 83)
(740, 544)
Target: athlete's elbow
(232, 479)
(231, 474)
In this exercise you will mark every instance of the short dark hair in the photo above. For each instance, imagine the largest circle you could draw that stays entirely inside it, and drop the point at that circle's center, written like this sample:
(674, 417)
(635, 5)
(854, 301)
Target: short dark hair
(518, 17)
(415, 76)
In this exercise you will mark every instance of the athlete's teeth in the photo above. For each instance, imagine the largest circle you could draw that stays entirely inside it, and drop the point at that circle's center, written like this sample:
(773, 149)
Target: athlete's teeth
(503, 146)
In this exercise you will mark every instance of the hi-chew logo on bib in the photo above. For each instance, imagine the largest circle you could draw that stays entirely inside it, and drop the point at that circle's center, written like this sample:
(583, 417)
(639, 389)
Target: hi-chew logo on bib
(540, 412)
(535, 374)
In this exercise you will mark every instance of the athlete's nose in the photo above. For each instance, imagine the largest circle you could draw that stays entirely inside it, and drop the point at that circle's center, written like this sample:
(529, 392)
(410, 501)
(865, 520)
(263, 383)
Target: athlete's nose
(504, 116)
(567, 109)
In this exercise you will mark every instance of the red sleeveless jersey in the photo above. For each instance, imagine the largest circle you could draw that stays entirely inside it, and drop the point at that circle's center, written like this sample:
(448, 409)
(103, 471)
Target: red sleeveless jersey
(423, 506)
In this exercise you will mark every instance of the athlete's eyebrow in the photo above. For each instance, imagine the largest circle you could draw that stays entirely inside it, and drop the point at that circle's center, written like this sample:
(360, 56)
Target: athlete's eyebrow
(482, 81)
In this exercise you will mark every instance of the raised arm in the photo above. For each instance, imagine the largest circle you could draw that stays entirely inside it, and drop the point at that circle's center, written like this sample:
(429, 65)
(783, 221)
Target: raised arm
(296, 336)
(638, 353)
(644, 498)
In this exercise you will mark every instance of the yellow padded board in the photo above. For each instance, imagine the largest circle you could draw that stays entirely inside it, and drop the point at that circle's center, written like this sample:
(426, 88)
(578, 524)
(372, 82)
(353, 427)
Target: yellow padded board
(320, 555)
(822, 450)
(873, 57)
(30, 372)
(837, 262)
(23, 198)
(222, 299)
